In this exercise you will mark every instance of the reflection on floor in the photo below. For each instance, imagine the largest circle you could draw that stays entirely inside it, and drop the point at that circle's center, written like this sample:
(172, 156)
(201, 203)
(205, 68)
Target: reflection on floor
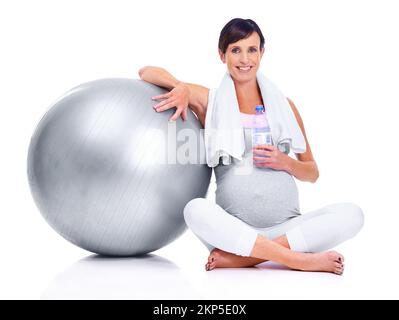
(154, 277)
(96, 277)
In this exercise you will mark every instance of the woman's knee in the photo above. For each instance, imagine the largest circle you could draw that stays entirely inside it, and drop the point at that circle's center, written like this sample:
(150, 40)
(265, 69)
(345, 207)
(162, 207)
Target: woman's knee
(353, 217)
(193, 210)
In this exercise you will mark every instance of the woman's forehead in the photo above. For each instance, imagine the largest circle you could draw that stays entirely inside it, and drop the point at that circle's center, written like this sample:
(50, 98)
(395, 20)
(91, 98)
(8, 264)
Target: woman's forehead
(252, 40)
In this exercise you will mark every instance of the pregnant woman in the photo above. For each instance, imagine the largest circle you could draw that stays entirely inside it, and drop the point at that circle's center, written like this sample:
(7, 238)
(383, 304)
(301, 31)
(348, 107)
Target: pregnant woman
(256, 216)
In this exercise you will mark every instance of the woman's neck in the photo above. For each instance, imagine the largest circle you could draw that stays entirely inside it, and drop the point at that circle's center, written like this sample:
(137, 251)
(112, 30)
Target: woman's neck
(248, 95)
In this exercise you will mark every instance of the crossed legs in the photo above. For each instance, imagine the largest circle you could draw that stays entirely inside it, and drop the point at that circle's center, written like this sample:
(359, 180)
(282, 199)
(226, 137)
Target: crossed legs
(298, 243)
(222, 259)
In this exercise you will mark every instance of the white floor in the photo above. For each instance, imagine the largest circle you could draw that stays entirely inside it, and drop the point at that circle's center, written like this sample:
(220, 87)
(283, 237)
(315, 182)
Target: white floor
(61, 271)
(159, 277)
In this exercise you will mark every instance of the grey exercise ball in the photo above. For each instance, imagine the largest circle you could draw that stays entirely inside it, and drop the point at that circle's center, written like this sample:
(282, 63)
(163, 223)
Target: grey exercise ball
(97, 168)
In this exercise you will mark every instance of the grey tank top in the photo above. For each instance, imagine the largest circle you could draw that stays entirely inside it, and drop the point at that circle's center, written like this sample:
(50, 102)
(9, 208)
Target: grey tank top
(261, 197)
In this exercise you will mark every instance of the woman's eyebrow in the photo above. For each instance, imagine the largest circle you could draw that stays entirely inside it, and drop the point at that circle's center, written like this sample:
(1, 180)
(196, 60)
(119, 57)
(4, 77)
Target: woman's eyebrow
(251, 46)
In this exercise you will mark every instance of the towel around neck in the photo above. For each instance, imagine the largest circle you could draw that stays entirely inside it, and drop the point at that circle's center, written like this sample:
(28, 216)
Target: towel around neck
(224, 136)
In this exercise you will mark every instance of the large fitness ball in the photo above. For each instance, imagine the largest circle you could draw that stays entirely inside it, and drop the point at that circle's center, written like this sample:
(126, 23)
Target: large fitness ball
(102, 171)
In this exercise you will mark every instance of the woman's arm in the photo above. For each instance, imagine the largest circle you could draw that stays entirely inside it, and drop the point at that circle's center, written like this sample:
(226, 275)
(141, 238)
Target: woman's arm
(159, 77)
(181, 96)
(305, 168)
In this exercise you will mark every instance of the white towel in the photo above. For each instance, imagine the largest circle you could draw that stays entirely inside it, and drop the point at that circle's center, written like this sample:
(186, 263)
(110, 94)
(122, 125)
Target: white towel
(224, 135)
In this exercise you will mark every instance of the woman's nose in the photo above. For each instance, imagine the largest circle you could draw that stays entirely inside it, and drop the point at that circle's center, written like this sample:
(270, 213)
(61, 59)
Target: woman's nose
(244, 58)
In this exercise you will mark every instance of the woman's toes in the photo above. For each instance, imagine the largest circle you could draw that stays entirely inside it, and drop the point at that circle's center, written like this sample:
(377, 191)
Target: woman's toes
(338, 271)
(336, 256)
(212, 266)
(338, 268)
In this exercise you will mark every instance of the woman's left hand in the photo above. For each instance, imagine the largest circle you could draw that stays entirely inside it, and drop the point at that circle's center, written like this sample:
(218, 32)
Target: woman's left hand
(270, 157)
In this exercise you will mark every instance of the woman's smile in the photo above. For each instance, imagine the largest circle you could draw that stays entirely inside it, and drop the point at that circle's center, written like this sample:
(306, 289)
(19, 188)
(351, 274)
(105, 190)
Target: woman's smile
(244, 69)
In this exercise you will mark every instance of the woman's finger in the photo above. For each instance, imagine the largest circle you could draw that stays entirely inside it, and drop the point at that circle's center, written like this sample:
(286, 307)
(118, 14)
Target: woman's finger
(264, 147)
(258, 151)
(162, 96)
(261, 159)
(184, 115)
(262, 153)
(260, 164)
(163, 102)
(175, 115)
(165, 106)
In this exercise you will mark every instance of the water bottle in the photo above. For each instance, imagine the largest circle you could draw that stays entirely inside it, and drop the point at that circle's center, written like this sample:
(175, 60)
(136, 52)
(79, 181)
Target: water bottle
(261, 133)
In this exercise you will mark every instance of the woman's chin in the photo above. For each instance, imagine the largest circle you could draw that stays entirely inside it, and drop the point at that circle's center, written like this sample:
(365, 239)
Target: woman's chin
(243, 77)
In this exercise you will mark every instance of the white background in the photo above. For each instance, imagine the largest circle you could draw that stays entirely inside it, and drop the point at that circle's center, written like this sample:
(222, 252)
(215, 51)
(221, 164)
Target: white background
(338, 62)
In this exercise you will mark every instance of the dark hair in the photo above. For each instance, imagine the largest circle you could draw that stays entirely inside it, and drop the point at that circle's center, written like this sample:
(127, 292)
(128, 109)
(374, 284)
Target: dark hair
(238, 29)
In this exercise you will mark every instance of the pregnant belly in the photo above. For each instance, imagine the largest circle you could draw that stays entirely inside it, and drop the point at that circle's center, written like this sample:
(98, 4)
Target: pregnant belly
(263, 198)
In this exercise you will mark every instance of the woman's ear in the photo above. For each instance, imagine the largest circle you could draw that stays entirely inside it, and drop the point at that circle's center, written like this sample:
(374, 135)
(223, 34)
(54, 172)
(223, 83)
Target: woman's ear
(262, 51)
(222, 56)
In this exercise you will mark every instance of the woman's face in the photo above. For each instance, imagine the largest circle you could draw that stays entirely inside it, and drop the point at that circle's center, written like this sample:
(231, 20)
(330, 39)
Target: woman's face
(243, 58)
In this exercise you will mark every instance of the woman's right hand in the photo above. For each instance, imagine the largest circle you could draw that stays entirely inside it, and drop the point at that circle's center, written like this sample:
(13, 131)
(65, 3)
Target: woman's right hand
(177, 98)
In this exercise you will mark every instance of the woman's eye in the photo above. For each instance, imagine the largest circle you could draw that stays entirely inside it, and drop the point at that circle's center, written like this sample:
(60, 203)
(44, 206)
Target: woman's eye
(235, 50)
(253, 50)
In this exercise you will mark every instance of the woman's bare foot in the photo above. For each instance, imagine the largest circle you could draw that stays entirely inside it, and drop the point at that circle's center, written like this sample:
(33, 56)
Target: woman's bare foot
(330, 261)
(222, 259)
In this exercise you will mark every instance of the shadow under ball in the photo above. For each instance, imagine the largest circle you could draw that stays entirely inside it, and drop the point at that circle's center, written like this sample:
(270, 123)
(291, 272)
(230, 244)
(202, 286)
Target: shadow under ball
(96, 173)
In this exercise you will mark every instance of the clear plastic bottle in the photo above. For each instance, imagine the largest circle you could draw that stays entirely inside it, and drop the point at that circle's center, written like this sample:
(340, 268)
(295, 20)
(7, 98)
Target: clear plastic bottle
(261, 133)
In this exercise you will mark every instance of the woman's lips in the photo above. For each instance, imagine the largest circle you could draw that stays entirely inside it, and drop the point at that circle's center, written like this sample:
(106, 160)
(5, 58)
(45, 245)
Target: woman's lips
(244, 69)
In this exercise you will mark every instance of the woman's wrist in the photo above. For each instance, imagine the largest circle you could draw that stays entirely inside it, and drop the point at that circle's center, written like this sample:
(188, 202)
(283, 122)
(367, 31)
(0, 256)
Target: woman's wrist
(302, 170)
(183, 86)
(179, 83)
(289, 164)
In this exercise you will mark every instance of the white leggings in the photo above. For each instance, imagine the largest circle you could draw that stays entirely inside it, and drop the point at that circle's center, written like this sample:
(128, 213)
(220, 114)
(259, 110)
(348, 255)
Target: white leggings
(315, 231)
